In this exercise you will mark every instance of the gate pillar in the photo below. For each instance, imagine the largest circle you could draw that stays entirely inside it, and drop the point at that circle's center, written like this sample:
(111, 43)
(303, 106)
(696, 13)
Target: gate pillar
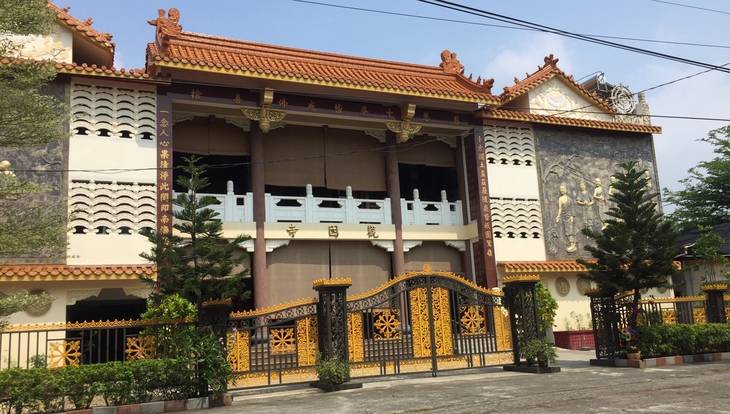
(520, 298)
(715, 302)
(332, 317)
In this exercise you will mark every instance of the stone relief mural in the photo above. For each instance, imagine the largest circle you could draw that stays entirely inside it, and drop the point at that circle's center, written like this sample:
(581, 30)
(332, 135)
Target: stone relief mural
(576, 171)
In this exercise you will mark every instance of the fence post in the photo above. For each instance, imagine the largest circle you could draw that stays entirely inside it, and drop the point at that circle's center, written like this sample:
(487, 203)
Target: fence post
(214, 315)
(520, 298)
(604, 318)
(332, 317)
(715, 302)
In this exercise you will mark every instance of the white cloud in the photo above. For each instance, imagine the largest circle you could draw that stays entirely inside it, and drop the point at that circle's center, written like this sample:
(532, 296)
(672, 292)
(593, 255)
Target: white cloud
(677, 149)
(516, 60)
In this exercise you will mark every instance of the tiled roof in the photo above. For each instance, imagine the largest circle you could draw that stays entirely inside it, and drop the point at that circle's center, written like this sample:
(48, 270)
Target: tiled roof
(59, 272)
(83, 27)
(574, 122)
(176, 48)
(91, 70)
(542, 75)
(549, 266)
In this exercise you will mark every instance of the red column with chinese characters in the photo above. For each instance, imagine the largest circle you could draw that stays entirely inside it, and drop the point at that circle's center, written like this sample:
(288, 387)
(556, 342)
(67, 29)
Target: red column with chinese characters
(164, 164)
(488, 277)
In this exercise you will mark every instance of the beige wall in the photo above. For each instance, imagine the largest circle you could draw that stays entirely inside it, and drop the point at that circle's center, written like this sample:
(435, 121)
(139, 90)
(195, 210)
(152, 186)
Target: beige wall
(67, 293)
(437, 254)
(557, 95)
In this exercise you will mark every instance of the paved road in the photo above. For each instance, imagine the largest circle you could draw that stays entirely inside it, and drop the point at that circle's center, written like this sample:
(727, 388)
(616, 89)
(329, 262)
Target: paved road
(701, 388)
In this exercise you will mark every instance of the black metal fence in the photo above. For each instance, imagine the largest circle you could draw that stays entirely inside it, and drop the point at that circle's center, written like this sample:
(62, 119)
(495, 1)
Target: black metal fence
(610, 316)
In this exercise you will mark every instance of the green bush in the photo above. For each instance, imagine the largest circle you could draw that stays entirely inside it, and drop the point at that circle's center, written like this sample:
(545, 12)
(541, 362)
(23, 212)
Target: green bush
(667, 340)
(332, 371)
(40, 390)
(547, 308)
(540, 351)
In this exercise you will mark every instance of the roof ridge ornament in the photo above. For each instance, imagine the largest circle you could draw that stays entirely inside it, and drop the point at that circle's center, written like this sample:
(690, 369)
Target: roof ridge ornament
(450, 63)
(551, 60)
(166, 26)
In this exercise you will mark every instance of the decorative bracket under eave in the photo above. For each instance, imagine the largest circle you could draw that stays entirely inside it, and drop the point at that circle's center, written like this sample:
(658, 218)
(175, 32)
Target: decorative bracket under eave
(264, 114)
(405, 128)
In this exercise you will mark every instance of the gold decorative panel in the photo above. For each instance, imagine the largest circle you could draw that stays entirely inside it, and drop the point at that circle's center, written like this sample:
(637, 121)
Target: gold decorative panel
(502, 328)
(355, 347)
(418, 299)
(307, 341)
(63, 353)
(238, 343)
(386, 324)
(282, 341)
(669, 317)
(699, 316)
(139, 347)
(472, 320)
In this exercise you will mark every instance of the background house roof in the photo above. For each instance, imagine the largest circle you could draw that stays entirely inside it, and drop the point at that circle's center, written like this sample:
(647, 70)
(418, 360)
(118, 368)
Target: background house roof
(687, 238)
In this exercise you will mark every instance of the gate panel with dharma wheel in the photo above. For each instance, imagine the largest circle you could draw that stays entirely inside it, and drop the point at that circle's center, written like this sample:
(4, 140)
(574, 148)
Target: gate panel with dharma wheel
(426, 321)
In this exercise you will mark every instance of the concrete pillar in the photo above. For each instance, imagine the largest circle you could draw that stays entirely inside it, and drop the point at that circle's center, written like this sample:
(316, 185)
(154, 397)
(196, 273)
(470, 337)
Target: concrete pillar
(393, 187)
(260, 281)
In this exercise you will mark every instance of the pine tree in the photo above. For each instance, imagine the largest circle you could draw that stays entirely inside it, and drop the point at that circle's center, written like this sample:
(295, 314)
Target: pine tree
(196, 262)
(705, 196)
(29, 119)
(637, 247)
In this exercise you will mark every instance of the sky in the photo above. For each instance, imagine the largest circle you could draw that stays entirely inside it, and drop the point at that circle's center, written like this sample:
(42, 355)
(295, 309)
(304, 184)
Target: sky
(484, 51)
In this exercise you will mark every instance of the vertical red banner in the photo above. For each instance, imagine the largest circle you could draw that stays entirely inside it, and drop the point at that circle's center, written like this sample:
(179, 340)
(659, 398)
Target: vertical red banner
(164, 164)
(485, 214)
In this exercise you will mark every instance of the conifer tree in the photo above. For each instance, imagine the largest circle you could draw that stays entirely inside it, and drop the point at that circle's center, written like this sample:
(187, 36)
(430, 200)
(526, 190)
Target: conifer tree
(637, 247)
(30, 119)
(196, 262)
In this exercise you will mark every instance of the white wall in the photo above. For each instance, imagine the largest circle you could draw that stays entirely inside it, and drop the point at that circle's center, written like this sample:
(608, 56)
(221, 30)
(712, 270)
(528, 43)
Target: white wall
(514, 192)
(554, 95)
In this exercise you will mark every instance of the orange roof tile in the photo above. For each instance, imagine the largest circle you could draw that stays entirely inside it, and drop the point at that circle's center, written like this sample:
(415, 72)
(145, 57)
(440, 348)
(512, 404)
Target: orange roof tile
(176, 48)
(574, 122)
(543, 74)
(60, 272)
(83, 27)
(548, 266)
(90, 70)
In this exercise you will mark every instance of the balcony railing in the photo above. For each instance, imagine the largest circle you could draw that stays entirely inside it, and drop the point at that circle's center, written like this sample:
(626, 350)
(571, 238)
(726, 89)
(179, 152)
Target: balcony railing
(347, 210)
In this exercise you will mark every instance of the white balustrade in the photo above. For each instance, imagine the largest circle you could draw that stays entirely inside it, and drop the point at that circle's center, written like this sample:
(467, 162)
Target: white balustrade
(349, 210)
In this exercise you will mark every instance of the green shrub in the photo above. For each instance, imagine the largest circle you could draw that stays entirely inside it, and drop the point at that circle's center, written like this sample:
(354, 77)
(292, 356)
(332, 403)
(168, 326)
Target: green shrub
(332, 371)
(540, 351)
(666, 340)
(547, 308)
(40, 390)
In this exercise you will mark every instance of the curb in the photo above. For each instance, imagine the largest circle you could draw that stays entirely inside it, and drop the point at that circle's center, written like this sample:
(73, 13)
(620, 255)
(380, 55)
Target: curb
(662, 361)
(158, 407)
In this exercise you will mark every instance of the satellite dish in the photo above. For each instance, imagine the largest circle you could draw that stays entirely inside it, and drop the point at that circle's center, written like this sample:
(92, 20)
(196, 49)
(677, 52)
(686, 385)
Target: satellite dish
(622, 100)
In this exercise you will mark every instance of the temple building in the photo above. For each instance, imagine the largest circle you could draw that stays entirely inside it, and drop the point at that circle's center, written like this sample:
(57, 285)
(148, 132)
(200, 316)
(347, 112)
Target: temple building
(334, 165)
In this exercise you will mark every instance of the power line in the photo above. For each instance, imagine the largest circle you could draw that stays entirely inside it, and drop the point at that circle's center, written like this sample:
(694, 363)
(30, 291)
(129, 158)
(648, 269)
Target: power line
(689, 6)
(524, 23)
(661, 85)
(500, 26)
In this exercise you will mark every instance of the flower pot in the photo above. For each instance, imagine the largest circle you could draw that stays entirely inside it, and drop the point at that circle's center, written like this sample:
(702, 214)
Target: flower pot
(633, 355)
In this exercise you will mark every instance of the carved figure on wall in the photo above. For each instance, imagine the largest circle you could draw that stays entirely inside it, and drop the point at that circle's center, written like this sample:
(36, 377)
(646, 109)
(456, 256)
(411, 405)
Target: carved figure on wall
(5, 169)
(566, 217)
(585, 200)
(599, 199)
(611, 186)
(647, 175)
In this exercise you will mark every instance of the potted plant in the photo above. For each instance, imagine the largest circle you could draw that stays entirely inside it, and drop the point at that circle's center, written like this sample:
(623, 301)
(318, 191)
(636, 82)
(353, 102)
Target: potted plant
(633, 352)
(540, 351)
(333, 375)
